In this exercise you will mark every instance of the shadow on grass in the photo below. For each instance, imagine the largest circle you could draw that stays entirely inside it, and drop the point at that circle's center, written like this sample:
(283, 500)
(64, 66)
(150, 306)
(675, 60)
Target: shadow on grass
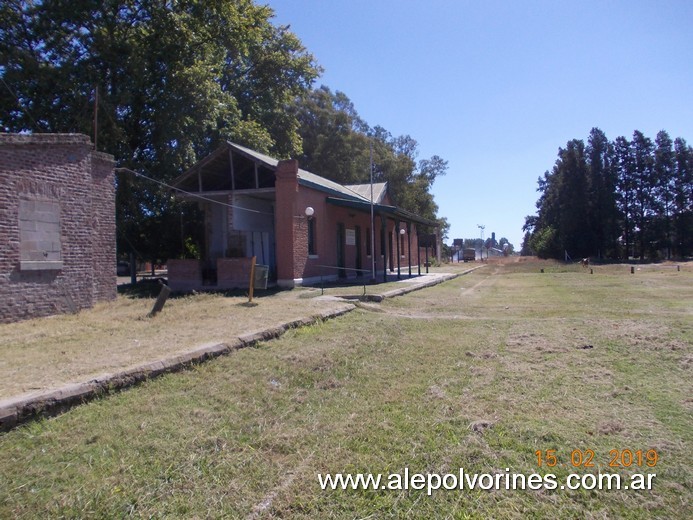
(149, 288)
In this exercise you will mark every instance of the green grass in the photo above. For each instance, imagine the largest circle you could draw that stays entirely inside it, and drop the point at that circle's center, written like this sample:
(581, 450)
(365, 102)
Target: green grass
(476, 373)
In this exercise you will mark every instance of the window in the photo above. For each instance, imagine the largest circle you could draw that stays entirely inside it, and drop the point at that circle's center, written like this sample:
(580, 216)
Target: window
(368, 241)
(39, 235)
(312, 246)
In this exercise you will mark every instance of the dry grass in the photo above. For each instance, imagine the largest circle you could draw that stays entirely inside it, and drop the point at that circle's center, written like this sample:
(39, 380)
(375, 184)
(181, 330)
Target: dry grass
(43, 353)
(494, 368)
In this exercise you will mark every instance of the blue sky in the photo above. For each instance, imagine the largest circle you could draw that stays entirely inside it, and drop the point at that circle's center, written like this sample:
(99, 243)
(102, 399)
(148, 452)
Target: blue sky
(496, 87)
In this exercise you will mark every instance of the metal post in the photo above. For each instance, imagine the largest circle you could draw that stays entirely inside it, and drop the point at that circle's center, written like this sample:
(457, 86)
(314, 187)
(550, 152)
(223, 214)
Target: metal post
(252, 280)
(409, 246)
(383, 234)
(372, 220)
(133, 268)
(418, 250)
(399, 277)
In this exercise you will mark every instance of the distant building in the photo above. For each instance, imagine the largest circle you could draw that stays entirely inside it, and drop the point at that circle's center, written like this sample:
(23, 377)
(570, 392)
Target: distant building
(304, 227)
(57, 225)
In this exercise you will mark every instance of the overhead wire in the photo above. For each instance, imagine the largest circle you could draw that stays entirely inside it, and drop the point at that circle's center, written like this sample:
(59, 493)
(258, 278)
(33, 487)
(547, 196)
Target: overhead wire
(19, 104)
(138, 174)
(191, 193)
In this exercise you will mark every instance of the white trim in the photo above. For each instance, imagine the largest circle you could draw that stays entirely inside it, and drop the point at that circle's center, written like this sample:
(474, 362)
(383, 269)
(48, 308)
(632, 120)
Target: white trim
(41, 265)
(288, 284)
(317, 279)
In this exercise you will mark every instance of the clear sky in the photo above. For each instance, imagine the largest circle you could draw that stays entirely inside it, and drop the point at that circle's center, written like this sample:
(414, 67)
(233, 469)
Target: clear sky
(496, 87)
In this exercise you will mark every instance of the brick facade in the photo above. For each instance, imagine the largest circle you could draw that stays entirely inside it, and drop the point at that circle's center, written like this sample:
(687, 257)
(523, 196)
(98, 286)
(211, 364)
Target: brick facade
(333, 242)
(296, 266)
(62, 257)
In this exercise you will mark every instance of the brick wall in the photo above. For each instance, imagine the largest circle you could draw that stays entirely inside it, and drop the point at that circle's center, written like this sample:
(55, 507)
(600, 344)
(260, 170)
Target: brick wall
(104, 227)
(233, 273)
(184, 274)
(59, 172)
(286, 188)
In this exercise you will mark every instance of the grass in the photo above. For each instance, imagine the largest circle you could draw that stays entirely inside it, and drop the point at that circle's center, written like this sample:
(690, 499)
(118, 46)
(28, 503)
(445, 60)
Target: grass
(476, 373)
(117, 335)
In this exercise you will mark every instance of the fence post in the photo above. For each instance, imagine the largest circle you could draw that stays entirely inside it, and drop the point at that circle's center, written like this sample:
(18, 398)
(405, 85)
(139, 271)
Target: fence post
(252, 280)
(160, 300)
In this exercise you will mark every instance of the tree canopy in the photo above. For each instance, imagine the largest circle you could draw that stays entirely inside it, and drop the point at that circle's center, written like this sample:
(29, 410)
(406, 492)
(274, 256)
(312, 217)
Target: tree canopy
(338, 144)
(618, 199)
(170, 80)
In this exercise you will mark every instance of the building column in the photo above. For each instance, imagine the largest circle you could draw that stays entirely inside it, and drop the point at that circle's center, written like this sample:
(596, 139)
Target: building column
(286, 190)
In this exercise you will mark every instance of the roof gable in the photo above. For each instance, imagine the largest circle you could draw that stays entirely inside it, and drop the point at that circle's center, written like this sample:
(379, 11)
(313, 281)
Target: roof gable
(219, 158)
(364, 190)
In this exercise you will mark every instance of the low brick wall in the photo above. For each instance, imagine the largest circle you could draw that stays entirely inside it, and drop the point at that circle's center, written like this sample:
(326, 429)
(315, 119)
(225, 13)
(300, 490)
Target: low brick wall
(184, 275)
(233, 273)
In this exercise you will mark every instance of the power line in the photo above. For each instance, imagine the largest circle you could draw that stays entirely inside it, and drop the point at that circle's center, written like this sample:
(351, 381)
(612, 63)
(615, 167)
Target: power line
(19, 104)
(190, 193)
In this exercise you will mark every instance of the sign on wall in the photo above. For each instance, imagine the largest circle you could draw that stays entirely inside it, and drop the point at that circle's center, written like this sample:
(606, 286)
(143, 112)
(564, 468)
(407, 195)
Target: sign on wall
(351, 237)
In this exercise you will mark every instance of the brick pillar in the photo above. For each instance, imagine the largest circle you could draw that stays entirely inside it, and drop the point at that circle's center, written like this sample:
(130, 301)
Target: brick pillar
(103, 226)
(286, 190)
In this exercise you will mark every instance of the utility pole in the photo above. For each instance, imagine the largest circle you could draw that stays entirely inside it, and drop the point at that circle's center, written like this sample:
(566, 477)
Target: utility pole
(96, 117)
(372, 218)
(482, 227)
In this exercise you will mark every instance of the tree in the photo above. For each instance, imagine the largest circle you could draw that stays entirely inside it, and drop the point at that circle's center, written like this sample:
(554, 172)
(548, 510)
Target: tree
(562, 224)
(625, 185)
(643, 169)
(635, 192)
(664, 169)
(602, 214)
(332, 144)
(173, 79)
(683, 197)
(526, 249)
(574, 232)
(338, 144)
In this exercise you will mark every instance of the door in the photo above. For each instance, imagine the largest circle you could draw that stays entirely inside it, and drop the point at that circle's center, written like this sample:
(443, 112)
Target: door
(341, 246)
(357, 232)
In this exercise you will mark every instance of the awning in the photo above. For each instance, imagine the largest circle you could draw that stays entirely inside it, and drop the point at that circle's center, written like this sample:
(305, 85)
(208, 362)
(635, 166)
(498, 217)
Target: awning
(394, 211)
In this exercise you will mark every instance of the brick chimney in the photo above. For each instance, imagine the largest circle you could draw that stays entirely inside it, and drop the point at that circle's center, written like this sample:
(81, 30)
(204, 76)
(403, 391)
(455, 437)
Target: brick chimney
(286, 189)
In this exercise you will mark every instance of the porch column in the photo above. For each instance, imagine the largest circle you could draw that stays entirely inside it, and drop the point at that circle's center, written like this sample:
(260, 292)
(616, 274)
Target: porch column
(399, 273)
(409, 246)
(383, 244)
(418, 249)
(286, 189)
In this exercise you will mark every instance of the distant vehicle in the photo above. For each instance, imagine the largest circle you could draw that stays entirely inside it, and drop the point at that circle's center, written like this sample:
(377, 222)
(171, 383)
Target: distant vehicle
(123, 269)
(469, 255)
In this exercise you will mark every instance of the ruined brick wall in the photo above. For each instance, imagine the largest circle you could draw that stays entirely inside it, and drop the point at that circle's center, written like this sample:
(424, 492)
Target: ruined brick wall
(103, 226)
(61, 257)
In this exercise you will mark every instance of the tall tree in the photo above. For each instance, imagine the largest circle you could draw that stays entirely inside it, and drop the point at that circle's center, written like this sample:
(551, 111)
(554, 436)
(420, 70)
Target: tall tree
(683, 198)
(643, 168)
(338, 144)
(574, 230)
(638, 193)
(625, 180)
(602, 213)
(664, 170)
(173, 78)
